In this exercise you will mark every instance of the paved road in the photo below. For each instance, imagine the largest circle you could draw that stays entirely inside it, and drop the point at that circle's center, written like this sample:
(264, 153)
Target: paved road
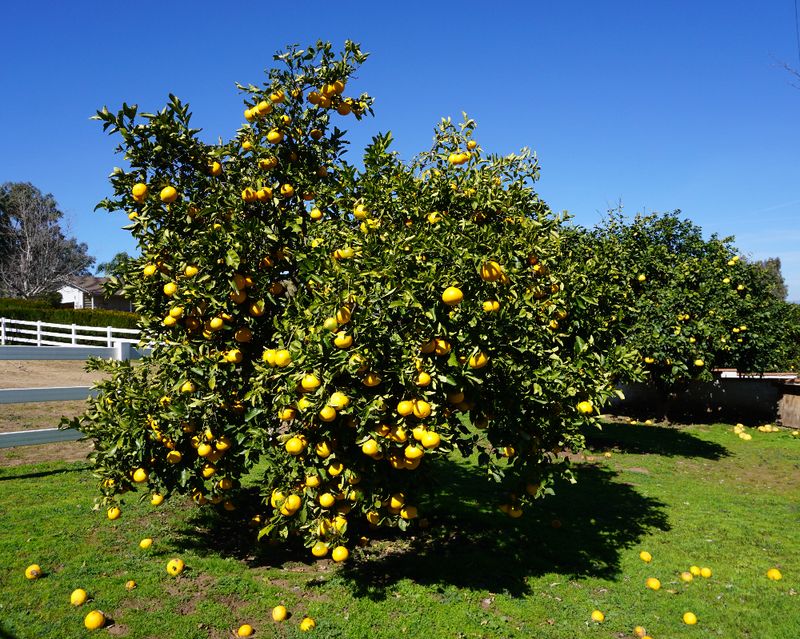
(38, 436)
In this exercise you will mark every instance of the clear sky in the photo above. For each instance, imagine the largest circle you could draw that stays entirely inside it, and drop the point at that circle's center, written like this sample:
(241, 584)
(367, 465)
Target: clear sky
(660, 105)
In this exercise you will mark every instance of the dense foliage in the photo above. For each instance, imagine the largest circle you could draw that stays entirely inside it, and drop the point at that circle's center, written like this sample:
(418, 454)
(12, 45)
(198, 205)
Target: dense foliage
(692, 304)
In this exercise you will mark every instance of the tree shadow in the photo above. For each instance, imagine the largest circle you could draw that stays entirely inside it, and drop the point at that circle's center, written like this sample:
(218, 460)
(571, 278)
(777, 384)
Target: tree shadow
(4, 634)
(655, 440)
(7, 474)
(580, 531)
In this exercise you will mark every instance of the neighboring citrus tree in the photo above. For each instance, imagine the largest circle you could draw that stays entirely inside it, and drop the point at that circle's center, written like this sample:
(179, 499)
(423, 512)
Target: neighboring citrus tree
(344, 327)
(692, 304)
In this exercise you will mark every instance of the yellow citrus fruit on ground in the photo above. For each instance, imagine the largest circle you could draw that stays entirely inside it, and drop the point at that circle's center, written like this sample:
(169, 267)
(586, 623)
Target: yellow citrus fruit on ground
(33, 571)
(598, 616)
(653, 583)
(687, 576)
(695, 570)
(245, 630)
(94, 620)
(452, 296)
(113, 513)
(340, 553)
(689, 618)
(130, 584)
(639, 632)
(145, 543)
(774, 574)
(156, 499)
(307, 624)
(175, 567)
(645, 556)
(705, 572)
(78, 597)
(279, 613)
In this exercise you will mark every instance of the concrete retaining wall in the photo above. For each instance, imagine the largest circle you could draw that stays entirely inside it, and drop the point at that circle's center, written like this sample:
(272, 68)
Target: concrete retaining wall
(750, 401)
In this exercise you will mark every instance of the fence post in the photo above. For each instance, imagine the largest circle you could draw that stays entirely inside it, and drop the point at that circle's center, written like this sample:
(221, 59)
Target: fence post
(109, 336)
(2, 331)
(122, 351)
(74, 335)
(38, 332)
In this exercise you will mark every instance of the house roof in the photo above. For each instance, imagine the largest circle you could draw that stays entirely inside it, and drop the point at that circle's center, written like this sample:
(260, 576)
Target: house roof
(88, 284)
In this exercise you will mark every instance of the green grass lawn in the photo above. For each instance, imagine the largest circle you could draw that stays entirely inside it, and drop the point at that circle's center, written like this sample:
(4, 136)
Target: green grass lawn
(697, 495)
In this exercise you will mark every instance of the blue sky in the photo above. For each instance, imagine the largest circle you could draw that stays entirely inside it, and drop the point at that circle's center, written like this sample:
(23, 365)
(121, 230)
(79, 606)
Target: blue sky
(659, 105)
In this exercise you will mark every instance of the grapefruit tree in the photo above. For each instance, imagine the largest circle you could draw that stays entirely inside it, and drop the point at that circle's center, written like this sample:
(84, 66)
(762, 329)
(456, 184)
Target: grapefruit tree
(691, 304)
(345, 327)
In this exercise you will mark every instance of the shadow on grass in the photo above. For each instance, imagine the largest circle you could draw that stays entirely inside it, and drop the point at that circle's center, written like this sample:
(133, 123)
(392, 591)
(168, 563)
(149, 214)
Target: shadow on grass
(581, 530)
(655, 440)
(8, 474)
(4, 634)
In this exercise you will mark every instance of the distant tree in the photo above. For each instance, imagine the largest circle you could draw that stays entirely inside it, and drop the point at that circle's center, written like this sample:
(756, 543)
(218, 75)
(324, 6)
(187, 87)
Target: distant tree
(35, 255)
(110, 267)
(777, 285)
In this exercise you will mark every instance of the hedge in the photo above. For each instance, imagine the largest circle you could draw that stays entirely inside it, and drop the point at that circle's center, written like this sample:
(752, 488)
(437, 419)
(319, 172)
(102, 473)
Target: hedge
(33, 310)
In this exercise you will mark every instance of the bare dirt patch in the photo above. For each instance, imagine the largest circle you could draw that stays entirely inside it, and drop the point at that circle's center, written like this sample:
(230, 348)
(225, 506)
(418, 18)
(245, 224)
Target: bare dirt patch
(14, 417)
(61, 451)
(34, 373)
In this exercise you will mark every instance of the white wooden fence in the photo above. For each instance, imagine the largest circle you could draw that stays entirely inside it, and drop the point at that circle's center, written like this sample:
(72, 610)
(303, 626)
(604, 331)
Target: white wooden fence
(116, 347)
(47, 334)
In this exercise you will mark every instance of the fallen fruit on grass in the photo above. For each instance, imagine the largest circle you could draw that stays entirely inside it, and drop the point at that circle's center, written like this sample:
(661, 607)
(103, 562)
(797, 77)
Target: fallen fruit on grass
(279, 613)
(705, 572)
(653, 583)
(145, 543)
(687, 576)
(645, 556)
(639, 632)
(175, 567)
(78, 597)
(689, 618)
(113, 513)
(34, 571)
(695, 570)
(245, 630)
(94, 620)
(598, 616)
(307, 624)
(130, 584)
(774, 574)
